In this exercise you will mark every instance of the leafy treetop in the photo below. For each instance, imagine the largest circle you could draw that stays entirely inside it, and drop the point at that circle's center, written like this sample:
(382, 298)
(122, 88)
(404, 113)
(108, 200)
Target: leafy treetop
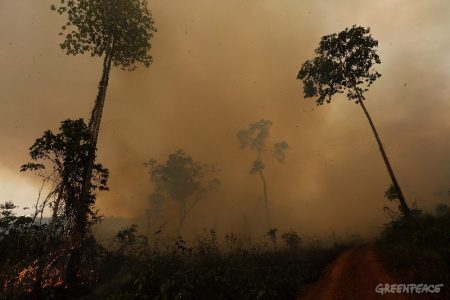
(180, 177)
(120, 28)
(344, 62)
(254, 137)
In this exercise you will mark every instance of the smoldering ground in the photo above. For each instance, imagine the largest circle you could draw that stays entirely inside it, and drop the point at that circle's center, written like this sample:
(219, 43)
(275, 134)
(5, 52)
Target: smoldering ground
(220, 65)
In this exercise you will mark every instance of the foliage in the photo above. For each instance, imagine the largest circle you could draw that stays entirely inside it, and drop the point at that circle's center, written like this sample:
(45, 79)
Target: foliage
(279, 149)
(272, 234)
(391, 193)
(130, 268)
(120, 31)
(254, 137)
(292, 240)
(128, 242)
(418, 249)
(120, 28)
(344, 62)
(20, 238)
(61, 158)
(209, 271)
(182, 179)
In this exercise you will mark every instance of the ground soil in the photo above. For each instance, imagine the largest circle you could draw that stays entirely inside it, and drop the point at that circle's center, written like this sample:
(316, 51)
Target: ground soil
(354, 275)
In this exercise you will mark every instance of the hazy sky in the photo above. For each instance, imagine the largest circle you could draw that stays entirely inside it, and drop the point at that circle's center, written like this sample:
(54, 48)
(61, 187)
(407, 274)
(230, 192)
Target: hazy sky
(220, 65)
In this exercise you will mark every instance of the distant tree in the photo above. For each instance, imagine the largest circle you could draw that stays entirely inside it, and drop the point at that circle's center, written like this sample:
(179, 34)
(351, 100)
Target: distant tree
(272, 234)
(344, 63)
(292, 240)
(254, 137)
(182, 179)
(120, 32)
(61, 159)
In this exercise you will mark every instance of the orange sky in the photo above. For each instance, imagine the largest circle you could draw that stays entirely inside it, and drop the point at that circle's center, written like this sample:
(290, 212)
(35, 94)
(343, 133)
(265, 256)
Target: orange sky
(220, 65)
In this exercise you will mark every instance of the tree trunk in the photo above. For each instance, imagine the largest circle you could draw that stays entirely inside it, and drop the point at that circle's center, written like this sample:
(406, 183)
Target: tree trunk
(147, 213)
(266, 200)
(183, 215)
(79, 231)
(404, 206)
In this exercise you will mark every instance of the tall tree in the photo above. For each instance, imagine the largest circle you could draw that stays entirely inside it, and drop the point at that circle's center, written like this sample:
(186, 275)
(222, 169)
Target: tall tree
(119, 31)
(254, 136)
(182, 179)
(344, 63)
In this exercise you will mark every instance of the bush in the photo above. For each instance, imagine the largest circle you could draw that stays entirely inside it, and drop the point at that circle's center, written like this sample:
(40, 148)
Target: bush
(418, 249)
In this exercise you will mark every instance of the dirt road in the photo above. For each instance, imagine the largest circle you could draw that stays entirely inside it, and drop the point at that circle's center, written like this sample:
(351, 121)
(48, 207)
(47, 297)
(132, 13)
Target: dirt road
(354, 275)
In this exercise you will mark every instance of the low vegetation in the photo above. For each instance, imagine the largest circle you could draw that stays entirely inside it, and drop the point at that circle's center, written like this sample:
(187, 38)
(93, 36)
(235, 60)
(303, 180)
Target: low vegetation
(418, 249)
(131, 266)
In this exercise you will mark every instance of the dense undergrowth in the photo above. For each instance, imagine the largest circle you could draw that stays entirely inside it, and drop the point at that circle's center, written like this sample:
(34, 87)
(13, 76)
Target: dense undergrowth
(132, 267)
(418, 249)
(229, 270)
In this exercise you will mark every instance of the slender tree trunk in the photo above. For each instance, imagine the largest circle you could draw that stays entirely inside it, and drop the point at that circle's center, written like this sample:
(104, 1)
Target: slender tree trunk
(404, 206)
(183, 214)
(147, 213)
(82, 206)
(266, 200)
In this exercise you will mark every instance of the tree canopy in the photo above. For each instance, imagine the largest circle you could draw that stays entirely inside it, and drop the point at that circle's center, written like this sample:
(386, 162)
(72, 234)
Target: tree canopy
(120, 28)
(344, 62)
(254, 137)
(180, 177)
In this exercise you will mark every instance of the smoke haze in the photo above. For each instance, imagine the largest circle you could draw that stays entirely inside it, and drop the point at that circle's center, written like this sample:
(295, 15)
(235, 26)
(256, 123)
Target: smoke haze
(220, 65)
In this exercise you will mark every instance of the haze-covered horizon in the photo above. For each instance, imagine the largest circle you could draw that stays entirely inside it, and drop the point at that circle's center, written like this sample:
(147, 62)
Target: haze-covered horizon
(219, 66)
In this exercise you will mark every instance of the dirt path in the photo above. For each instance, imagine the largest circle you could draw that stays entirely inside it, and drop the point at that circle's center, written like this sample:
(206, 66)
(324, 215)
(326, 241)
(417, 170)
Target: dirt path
(353, 275)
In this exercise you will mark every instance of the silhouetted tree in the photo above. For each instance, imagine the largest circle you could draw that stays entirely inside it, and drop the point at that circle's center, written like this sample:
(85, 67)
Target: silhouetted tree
(272, 234)
(292, 240)
(182, 179)
(344, 63)
(61, 159)
(120, 32)
(254, 136)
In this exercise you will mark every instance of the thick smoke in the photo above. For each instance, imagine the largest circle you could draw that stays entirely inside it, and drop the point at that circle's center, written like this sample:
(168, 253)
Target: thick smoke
(220, 65)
